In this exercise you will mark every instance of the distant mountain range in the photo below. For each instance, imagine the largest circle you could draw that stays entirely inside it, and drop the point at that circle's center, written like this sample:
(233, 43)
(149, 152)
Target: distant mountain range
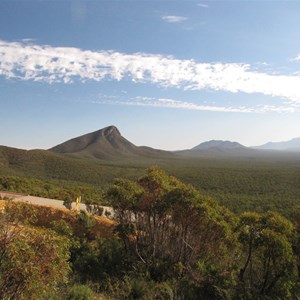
(105, 154)
(291, 145)
(109, 145)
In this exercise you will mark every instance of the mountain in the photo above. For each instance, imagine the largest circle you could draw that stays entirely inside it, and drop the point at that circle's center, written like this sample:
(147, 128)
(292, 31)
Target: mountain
(96, 157)
(291, 145)
(218, 144)
(99, 157)
(45, 164)
(219, 148)
(105, 143)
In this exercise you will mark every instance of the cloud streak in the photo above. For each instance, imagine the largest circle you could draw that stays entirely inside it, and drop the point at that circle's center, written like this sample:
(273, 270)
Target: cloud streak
(176, 104)
(174, 19)
(65, 64)
(202, 5)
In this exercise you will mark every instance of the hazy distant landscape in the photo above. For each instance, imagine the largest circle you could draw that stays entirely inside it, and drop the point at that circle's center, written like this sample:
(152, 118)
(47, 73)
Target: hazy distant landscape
(238, 177)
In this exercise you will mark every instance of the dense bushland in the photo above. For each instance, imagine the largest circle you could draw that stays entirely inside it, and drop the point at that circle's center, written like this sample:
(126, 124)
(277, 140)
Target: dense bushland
(54, 189)
(170, 242)
(240, 185)
(198, 248)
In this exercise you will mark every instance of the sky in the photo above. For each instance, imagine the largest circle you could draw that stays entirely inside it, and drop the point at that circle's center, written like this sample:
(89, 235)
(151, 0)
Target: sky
(169, 74)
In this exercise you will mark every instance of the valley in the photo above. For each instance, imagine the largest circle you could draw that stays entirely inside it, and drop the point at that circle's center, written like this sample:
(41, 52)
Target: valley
(238, 177)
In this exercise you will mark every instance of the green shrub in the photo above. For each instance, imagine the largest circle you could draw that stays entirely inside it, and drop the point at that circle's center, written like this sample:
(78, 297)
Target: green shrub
(163, 291)
(80, 292)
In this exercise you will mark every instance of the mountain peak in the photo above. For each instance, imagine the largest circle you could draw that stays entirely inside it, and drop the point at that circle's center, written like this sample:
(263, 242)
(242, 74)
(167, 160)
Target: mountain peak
(104, 143)
(108, 138)
(110, 130)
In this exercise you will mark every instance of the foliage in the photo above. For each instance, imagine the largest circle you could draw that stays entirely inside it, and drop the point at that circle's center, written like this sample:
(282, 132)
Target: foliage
(171, 241)
(33, 261)
(268, 269)
(172, 232)
(55, 189)
(166, 224)
(80, 292)
(100, 260)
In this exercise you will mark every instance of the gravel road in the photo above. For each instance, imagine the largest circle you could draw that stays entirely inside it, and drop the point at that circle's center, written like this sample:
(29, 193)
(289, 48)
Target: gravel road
(46, 201)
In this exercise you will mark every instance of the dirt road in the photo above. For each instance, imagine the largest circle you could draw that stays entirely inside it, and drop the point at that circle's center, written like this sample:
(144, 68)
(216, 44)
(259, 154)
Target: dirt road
(45, 201)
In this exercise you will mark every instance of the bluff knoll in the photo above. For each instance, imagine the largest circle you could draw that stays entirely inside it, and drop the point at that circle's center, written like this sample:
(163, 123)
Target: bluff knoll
(105, 143)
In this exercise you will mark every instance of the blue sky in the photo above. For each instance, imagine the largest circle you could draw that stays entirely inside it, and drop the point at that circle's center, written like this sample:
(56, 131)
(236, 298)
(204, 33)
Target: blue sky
(168, 74)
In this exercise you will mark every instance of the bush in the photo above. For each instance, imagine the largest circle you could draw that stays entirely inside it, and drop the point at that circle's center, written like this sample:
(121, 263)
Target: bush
(140, 289)
(80, 292)
(163, 291)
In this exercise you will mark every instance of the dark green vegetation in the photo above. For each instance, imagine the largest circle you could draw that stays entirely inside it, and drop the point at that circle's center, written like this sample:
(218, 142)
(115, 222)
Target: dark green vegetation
(236, 176)
(55, 189)
(197, 249)
(256, 185)
(170, 242)
(243, 184)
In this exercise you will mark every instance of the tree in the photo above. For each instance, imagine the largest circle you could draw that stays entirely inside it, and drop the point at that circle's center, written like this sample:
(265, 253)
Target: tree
(173, 230)
(269, 267)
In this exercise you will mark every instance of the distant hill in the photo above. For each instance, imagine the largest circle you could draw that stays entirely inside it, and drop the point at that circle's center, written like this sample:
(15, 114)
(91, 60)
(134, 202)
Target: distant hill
(105, 143)
(219, 148)
(47, 164)
(291, 145)
(218, 144)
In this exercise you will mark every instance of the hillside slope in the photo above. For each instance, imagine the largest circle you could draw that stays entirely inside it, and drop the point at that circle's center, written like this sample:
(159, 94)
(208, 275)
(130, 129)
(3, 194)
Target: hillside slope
(50, 165)
(105, 143)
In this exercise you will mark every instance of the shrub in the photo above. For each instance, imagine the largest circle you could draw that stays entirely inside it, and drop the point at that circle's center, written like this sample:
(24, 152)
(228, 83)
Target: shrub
(80, 292)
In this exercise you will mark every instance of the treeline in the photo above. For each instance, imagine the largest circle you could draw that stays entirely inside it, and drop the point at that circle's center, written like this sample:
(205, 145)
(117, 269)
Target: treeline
(245, 185)
(169, 242)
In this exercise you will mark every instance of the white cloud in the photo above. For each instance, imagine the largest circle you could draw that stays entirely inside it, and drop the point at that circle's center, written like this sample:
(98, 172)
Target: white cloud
(28, 40)
(174, 19)
(297, 58)
(172, 103)
(64, 64)
(202, 5)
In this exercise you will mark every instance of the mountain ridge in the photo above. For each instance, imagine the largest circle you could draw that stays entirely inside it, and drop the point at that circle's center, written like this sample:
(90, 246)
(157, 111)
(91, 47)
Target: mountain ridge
(108, 143)
(290, 145)
(104, 154)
